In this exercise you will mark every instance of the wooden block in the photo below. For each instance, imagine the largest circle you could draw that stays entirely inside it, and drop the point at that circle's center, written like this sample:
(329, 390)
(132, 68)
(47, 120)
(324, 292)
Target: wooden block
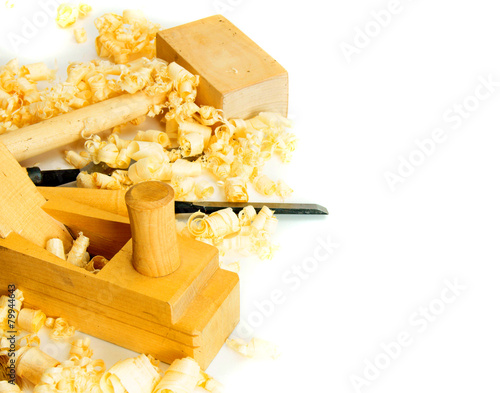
(189, 312)
(236, 75)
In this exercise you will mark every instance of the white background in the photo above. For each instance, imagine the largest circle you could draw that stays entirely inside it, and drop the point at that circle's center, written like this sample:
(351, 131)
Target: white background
(356, 117)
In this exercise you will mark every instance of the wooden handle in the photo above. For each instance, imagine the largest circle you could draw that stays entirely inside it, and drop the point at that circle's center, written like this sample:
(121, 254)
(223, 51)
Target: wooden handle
(70, 127)
(152, 221)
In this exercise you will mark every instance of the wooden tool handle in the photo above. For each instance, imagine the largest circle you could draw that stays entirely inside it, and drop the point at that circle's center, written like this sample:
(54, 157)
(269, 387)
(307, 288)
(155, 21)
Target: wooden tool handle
(152, 221)
(58, 131)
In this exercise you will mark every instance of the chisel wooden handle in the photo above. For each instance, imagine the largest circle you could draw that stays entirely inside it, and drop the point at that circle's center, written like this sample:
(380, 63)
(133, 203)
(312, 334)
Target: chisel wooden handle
(58, 131)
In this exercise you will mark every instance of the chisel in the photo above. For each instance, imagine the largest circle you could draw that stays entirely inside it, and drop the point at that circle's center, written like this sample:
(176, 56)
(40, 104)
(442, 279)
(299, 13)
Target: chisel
(104, 199)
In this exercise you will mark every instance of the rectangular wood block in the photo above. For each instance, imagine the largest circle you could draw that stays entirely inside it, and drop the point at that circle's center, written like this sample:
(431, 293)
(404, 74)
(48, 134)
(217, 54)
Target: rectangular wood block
(236, 75)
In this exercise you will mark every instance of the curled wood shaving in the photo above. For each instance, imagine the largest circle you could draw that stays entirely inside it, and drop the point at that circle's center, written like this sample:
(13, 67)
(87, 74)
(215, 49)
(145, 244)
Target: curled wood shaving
(96, 264)
(49, 322)
(31, 320)
(248, 233)
(125, 37)
(7, 387)
(29, 340)
(182, 186)
(156, 136)
(77, 375)
(76, 160)
(80, 349)
(56, 247)
(9, 309)
(264, 185)
(235, 189)
(256, 347)
(183, 376)
(132, 375)
(78, 253)
(215, 226)
(32, 363)
(203, 189)
(21, 103)
(68, 13)
(80, 35)
(61, 329)
(118, 180)
(233, 150)
(247, 215)
(283, 190)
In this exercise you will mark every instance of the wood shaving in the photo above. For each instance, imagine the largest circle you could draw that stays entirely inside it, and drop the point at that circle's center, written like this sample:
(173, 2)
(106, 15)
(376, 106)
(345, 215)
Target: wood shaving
(76, 160)
(50, 322)
(21, 103)
(29, 340)
(7, 387)
(256, 347)
(31, 320)
(182, 186)
(134, 375)
(96, 264)
(235, 189)
(203, 190)
(77, 254)
(56, 247)
(66, 15)
(31, 364)
(127, 37)
(235, 151)
(264, 185)
(80, 35)
(80, 349)
(84, 9)
(183, 376)
(283, 190)
(9, 309)
(61, 329)
(248, 233)
(156, 136)
(78, 375)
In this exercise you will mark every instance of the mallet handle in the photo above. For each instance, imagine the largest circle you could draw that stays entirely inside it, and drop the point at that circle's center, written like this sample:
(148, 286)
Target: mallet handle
(70, 127)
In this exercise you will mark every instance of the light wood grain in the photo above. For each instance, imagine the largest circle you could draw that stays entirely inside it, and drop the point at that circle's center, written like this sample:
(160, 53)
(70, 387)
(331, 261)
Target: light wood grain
(236, 75)
(21, 203)
(189, 312)
(112, 201)
(109, 232)
(70, 127)
(104, 309)
(152, 220)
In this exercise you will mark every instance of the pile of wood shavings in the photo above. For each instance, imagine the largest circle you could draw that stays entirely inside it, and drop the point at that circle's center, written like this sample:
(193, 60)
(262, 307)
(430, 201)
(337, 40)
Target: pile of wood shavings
(235, 155)
(233, 152)
(80, 373)
(247, 233)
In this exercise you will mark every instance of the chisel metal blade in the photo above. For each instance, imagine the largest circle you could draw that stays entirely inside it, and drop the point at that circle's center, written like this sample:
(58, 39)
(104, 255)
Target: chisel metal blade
(278, 208)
